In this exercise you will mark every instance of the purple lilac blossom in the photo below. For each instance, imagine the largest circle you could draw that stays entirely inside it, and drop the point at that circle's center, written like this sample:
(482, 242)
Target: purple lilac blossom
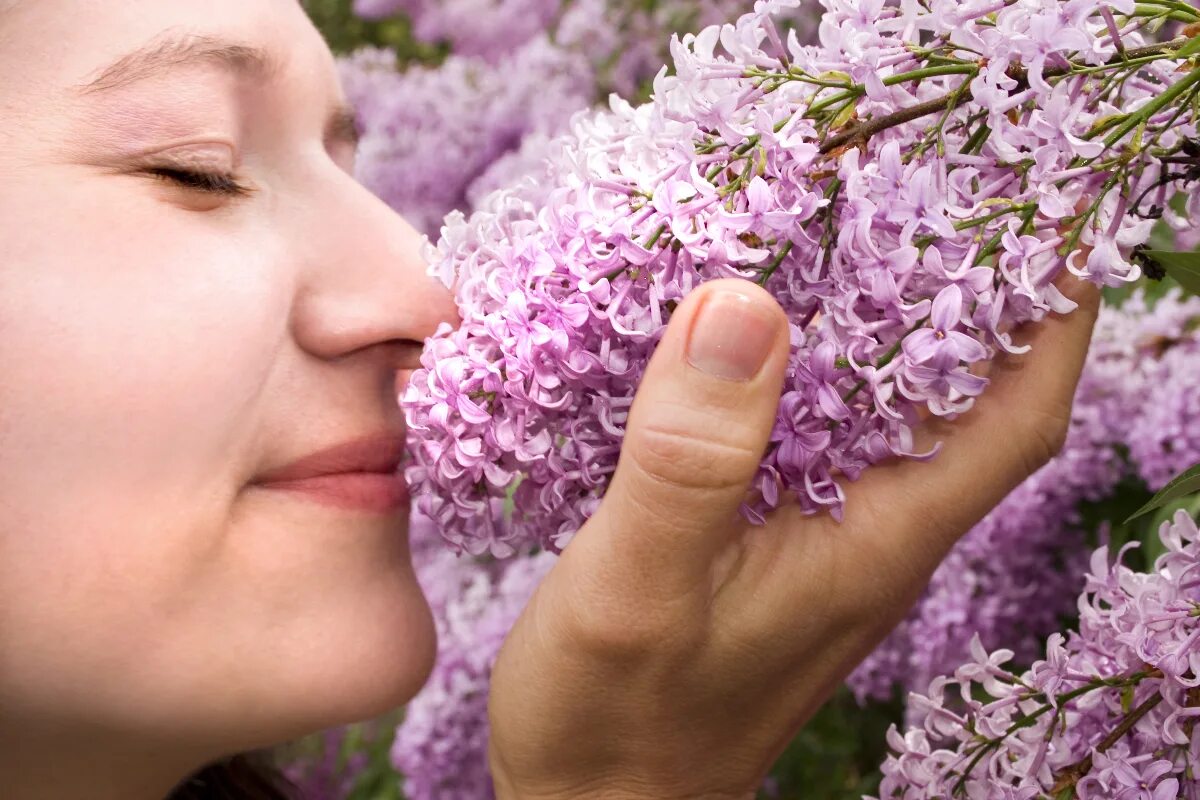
(441, 745)
(623, 40)
(1004, 581)
(440, 138)
(428, 133)
(731, 171)
(1109, 712)
(488, 29)
(1164, 438)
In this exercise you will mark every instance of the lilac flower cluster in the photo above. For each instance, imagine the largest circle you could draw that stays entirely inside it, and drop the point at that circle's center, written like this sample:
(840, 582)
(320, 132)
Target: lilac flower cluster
(1004, 581)
(429, 132)
(1110, 712)
(908, 190)
(1164, 439)
(1008, 582)
(440, 138)
(486, 28)
(623, 40)
(441, 746)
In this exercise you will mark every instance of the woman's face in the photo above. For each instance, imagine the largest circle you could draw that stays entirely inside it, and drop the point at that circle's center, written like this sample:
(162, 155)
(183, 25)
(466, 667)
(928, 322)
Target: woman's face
(193, 291)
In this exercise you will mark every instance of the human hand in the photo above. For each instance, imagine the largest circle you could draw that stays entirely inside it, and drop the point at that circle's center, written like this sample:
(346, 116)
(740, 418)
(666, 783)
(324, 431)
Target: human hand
(675, 650)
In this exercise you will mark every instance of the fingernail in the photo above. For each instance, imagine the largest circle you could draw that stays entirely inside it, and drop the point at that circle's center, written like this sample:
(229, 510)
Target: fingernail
(732, 336)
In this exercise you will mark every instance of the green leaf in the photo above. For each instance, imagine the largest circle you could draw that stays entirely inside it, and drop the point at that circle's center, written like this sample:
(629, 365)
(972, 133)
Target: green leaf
(1189, 49)
(1182, 265)
(1183, 484)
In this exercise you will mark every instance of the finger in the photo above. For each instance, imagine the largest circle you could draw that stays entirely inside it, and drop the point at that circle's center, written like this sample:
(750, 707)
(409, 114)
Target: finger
(1017, 425)
(695, 436)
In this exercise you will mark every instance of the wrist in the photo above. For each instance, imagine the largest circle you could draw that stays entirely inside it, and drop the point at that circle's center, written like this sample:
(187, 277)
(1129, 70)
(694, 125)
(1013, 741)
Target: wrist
(613, 791)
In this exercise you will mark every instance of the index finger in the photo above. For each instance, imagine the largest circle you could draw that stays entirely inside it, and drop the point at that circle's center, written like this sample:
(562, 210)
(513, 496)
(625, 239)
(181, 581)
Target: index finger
(1015, 427)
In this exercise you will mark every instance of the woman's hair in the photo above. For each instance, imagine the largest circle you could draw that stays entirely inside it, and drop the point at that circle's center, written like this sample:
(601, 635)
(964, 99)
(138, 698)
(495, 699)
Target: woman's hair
(247, 776)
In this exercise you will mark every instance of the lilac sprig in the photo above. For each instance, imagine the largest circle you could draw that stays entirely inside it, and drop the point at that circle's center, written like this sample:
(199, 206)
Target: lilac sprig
(1016, 574)
(1111, 711)
(1007, 583)
(908, 190)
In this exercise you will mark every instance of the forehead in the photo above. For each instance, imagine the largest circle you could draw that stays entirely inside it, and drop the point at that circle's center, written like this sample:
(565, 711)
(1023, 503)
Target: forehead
(72, 42)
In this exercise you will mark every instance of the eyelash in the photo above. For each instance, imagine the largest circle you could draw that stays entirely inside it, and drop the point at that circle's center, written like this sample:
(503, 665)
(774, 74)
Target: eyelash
(219, 183)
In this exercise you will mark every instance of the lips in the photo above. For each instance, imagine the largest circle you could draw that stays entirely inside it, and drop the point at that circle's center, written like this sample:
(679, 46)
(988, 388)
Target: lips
(362, 474)
(380, 454)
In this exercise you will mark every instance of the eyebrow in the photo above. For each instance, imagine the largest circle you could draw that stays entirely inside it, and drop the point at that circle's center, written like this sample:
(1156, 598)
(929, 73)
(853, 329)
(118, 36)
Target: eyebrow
(173, 52)
(177, 51)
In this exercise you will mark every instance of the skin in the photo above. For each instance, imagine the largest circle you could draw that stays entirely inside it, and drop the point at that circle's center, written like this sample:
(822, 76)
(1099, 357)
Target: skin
(162, 346)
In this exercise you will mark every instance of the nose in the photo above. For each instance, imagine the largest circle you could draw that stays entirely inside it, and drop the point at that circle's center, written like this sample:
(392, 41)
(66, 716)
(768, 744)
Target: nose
(364, 284)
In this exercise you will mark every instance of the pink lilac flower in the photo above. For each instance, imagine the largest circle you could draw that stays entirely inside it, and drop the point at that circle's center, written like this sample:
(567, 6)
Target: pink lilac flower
(741, 166)
(1007, 583)
(1164, 439)
(428, 133)
(436, 139)
(624, 40)
(441, 746)
(483, 28)
(1110, 712)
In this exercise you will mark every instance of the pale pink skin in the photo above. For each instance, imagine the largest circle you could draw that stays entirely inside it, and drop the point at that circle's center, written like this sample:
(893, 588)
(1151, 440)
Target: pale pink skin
(159, 348)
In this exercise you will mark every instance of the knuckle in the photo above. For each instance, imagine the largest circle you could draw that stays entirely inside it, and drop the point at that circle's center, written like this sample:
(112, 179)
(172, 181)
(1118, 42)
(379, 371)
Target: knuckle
(683, 459)
(1044, 436)
(607, 632)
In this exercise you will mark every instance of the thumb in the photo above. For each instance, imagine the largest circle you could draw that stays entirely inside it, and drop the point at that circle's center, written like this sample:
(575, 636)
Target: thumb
(694, 439)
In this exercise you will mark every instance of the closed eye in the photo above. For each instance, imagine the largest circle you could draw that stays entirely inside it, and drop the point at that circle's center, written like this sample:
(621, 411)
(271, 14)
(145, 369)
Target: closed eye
(220, 183)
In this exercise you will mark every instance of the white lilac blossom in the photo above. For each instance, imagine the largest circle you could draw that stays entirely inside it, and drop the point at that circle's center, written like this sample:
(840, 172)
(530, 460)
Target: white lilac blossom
(1004, 581)
(908, 190)
(1111, 711)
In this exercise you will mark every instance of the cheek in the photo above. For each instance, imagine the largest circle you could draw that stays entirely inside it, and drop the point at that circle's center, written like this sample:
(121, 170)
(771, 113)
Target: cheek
(134, 342)
(146, 366)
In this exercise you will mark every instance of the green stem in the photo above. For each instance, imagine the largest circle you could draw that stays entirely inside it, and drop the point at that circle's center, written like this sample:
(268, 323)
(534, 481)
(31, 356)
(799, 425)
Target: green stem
(1026, 720)
(1174, 5)
(977, 221)
(1144, 10)
(930, 72)
(994, 243)
(770, 270)
(1153, 107)
(885, 359)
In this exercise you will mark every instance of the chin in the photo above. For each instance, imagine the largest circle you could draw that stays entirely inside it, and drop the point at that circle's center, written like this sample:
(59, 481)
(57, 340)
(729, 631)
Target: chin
(343, 671)
(383, 660)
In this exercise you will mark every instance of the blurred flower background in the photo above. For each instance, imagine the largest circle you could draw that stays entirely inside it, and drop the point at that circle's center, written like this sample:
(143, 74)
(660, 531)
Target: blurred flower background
(459, 97)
